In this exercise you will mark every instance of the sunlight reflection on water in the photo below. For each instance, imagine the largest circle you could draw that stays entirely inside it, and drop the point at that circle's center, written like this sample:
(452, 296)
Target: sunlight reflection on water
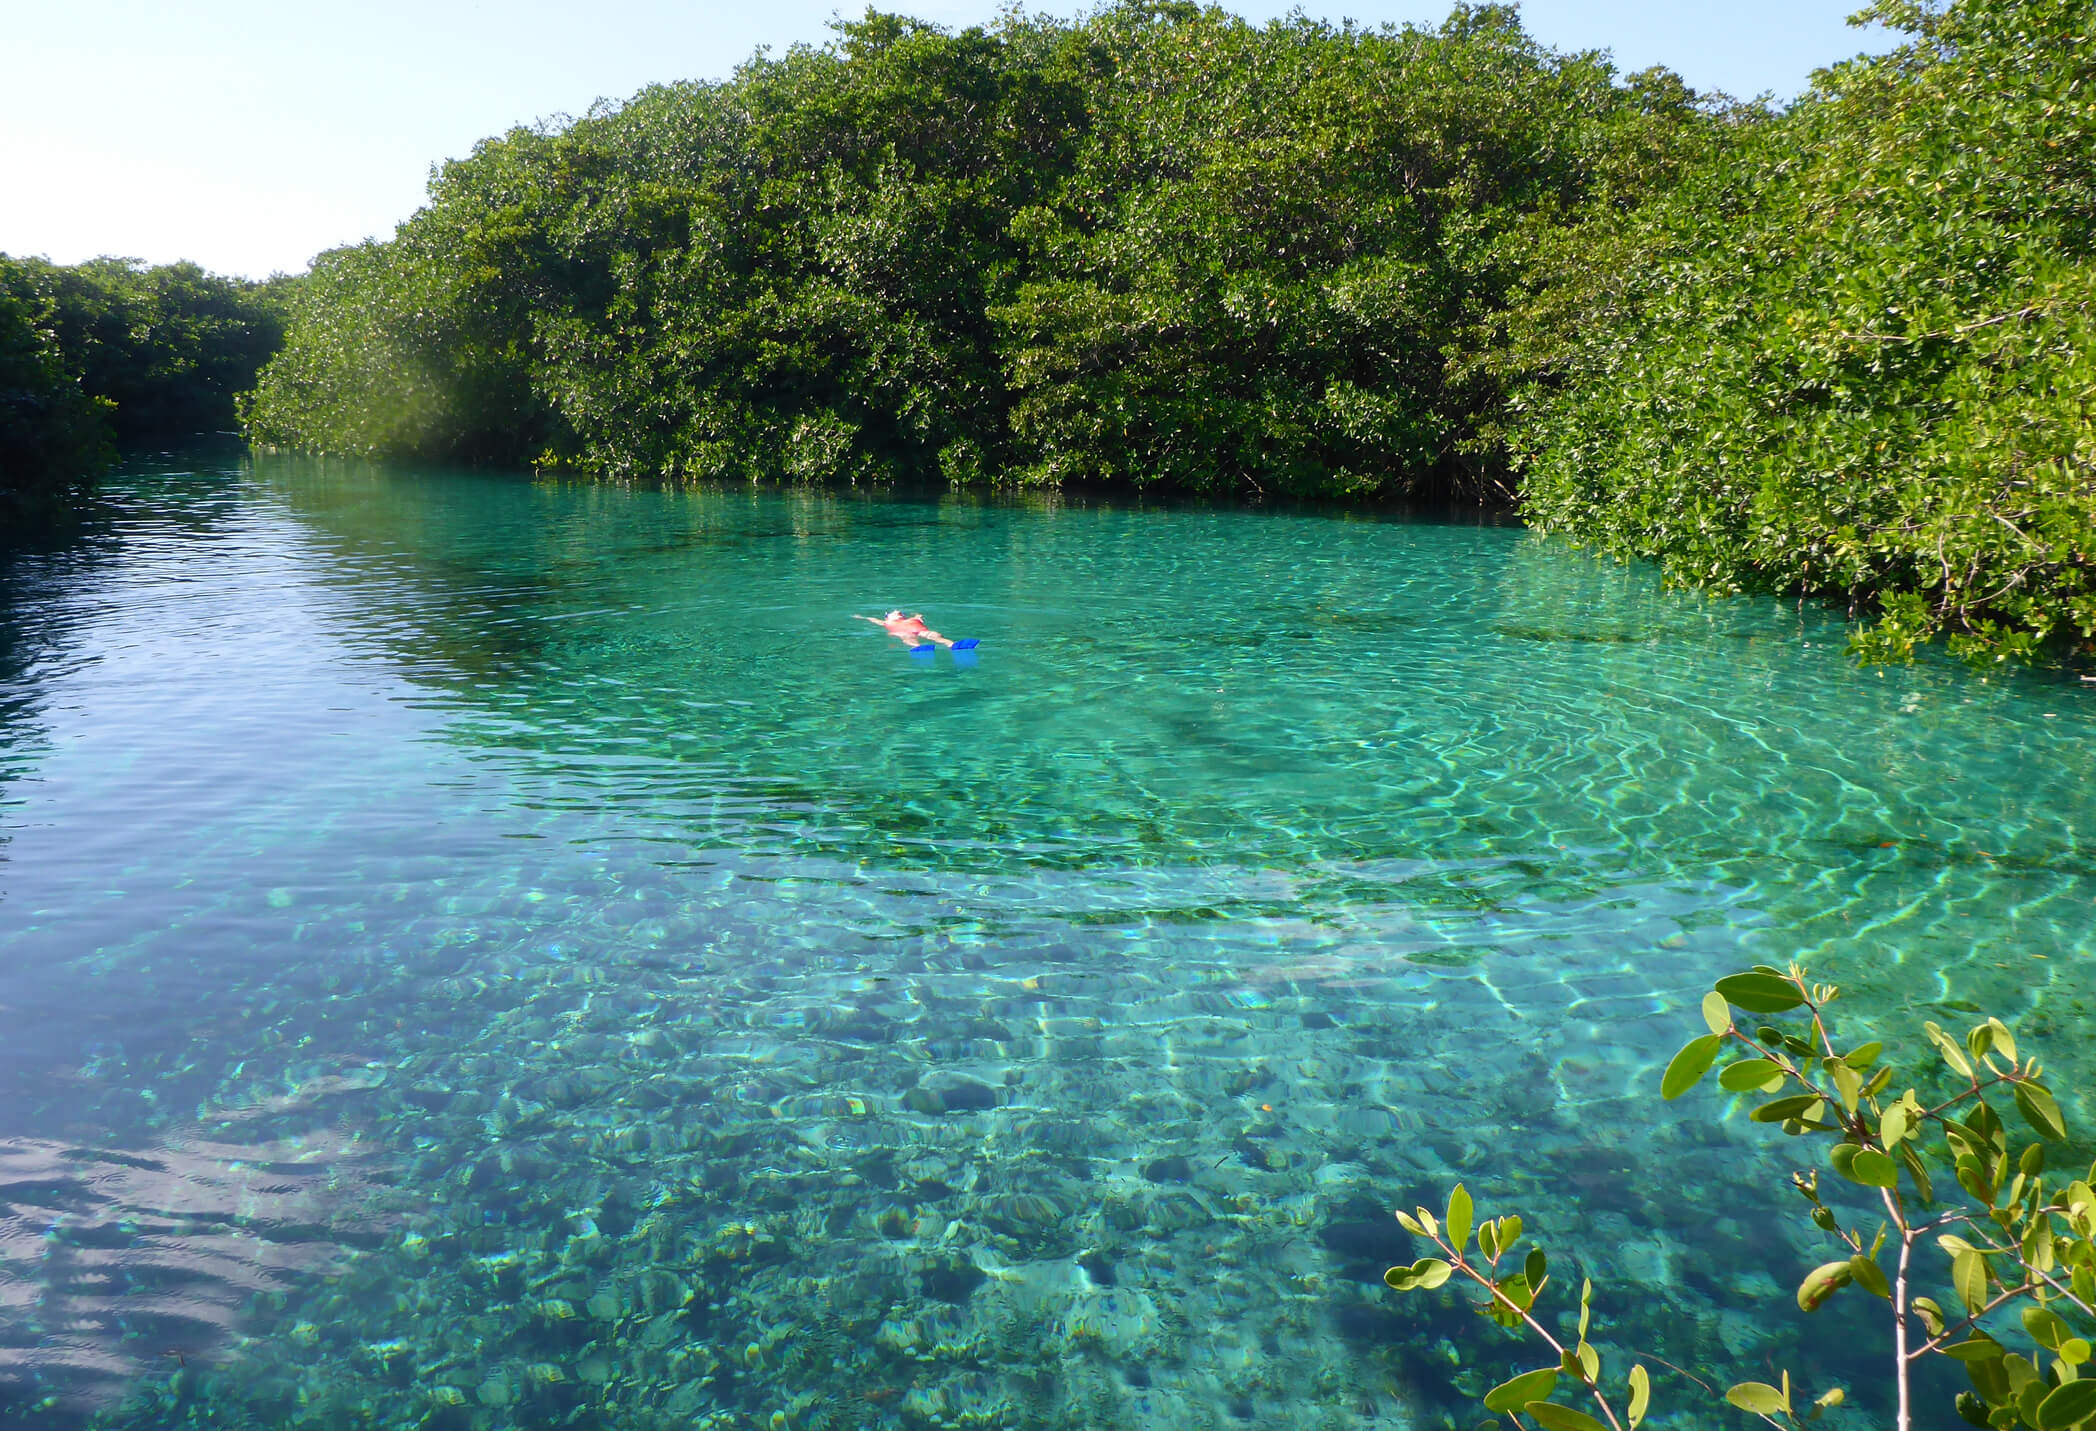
(480, 952)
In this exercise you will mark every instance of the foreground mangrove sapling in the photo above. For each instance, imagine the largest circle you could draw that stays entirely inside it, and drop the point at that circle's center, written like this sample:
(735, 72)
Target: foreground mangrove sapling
(2015, 1240)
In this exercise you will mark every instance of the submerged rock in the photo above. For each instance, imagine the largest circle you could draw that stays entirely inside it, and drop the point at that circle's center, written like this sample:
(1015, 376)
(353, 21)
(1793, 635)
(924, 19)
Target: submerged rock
(1034, 1223)
(1174, 1169)
(954, 1095)
(952, 1280)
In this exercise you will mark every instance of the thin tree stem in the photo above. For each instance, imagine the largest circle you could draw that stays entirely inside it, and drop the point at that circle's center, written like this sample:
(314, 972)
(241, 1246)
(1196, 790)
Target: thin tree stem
(1955, 1099)
(1971, 1323)
(1899, 1322)
(1463, 1265)
(2065, 1292)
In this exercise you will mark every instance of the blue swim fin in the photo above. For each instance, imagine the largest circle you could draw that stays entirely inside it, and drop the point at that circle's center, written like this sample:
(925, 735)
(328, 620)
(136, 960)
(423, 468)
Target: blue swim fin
(926, 649)
(968, 645)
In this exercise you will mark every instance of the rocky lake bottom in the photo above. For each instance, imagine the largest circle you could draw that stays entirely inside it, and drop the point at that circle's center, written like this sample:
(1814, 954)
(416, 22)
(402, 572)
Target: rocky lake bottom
(478, 953)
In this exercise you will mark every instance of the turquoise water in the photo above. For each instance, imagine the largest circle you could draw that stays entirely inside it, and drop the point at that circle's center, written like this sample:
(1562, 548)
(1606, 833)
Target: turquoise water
(486, 954)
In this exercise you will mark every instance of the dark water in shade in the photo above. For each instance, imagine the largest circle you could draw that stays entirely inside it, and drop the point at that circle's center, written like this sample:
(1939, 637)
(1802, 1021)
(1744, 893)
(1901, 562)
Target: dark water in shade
(478, 954)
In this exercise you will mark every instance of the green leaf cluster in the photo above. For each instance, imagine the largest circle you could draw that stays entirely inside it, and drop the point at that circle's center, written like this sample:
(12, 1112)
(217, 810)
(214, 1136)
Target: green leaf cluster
(2018, 1240)
(53, 434)
(1277, 246)
(1511, 1295)
(112, 351)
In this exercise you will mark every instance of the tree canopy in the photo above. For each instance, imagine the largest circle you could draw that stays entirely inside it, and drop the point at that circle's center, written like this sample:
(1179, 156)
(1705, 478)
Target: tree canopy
(1157, 245)
(52, 434)
(112, 351)
(1852, 352)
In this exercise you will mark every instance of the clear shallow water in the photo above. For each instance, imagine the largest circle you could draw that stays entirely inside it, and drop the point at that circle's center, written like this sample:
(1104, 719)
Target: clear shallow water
(485, 954)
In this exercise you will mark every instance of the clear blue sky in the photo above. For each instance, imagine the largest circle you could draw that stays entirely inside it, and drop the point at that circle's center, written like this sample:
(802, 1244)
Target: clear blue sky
(250, 134)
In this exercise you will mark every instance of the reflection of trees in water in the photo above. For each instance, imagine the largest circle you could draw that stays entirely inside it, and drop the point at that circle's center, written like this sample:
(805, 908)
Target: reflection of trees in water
(41, 562)
(49, 567)
(1551, 591)
(455, 573)
(572, 630)
(125, 1250)
(504, 595)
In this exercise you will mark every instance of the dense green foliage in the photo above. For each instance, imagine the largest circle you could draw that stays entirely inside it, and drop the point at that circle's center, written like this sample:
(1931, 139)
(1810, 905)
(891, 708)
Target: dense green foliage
(1853, 352)
(1842, 349)
(1154, 245)
(171, 346)
(52, 434)
(111, 351)
(1275, 241)
(785, 275)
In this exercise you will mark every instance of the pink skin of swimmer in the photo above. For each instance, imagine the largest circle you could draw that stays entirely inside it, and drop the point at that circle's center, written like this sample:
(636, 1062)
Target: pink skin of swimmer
(910, 630)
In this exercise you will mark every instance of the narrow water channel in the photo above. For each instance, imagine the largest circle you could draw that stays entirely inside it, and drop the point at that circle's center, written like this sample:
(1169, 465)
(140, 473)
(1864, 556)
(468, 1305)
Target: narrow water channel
(480, 953)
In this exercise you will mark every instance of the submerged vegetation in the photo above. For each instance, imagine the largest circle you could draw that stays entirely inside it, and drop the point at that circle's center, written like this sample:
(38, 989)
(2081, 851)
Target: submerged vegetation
(111, 352)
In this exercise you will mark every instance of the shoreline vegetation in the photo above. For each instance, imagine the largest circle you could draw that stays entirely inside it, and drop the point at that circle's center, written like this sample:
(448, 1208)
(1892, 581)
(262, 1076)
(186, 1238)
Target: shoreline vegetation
(113, 354)
(1841, 348)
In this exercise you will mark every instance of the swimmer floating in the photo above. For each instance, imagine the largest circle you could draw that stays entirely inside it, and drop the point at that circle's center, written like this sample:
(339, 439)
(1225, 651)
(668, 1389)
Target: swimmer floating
(913, 633)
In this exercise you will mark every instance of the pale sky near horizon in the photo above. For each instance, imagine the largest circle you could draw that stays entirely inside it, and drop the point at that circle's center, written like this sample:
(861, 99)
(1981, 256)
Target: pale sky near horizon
(249, 135)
